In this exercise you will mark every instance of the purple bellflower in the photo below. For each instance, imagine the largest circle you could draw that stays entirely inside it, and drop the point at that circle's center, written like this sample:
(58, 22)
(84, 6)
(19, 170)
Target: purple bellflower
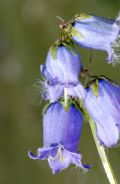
(99, 33)
(105, 111)
(61, 133)
(62, 74)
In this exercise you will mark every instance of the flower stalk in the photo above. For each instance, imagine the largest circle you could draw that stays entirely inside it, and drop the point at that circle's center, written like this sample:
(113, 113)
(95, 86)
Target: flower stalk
(101, 150)
(103, 155)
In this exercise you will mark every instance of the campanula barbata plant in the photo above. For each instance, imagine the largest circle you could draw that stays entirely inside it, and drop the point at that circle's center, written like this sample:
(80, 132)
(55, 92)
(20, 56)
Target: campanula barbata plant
(69, 100)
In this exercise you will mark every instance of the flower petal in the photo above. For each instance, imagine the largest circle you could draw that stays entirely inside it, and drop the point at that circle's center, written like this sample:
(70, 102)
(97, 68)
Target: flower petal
(43, 153)
(59, 158)
(68, 158)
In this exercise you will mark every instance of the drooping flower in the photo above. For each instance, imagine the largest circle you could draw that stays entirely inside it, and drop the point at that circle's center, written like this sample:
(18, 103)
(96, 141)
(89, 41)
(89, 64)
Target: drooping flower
(62, 74)
(99, 33)
(61, 133)
(105, 111)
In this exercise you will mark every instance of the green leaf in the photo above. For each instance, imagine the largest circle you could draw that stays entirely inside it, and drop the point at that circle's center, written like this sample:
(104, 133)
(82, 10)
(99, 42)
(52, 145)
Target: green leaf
(53, 51)
(94, 86)
(75, 32)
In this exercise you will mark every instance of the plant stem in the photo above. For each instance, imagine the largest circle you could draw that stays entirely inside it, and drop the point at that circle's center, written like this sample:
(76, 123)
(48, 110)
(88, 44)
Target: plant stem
(101, 151)
(103, 156)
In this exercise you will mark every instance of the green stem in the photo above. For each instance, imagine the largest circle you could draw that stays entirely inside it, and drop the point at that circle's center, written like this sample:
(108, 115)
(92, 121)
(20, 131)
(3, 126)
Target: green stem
(103, 156)
(100, 148)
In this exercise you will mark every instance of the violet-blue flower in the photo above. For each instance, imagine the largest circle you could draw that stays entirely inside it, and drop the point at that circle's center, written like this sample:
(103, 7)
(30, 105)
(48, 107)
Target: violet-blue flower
(99, 33)
(61, 133)
(105, 111)
(62, 73)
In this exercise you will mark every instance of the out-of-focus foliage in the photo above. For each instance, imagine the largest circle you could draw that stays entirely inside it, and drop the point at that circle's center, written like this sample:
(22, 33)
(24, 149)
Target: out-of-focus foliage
(27, 29)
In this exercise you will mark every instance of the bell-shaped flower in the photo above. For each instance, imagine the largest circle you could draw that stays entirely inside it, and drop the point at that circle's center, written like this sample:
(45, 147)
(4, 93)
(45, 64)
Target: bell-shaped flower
(62, 73)
(98, 33)
(104, 109)
(61, 134)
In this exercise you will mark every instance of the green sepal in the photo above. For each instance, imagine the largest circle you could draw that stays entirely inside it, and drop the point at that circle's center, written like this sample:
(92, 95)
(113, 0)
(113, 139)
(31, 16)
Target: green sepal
(68, 43)
(109, 80)
(71, 48)
(94, 87)
(70, 102)
(46, 107)
(53, 49)
(82, 16)
(75, 32)
(101, 77)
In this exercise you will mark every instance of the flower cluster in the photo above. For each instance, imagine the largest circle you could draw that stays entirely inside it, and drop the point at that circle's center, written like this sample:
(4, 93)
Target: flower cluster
(63, 89)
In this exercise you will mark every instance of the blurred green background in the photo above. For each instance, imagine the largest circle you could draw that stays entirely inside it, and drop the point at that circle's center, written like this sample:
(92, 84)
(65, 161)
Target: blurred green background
(27, 29)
